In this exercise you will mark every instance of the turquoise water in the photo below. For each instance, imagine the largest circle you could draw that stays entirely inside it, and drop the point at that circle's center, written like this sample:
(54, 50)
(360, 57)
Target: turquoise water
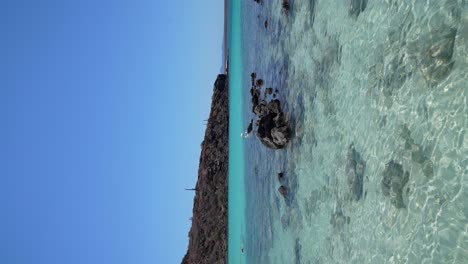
(388, 77)
(236, 190)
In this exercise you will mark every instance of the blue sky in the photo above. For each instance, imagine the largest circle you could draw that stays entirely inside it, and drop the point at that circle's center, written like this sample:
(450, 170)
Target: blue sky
(101, 107)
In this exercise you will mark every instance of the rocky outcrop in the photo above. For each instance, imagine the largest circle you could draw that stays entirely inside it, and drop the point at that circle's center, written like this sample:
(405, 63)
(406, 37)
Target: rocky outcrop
(208, 234)
(273, 128)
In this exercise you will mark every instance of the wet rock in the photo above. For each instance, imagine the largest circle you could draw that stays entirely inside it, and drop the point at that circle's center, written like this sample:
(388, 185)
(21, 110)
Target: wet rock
(280, 136)
(250, 127)
(255, 96)
(274, 106)
(286, 6)
(273, 132)
(253, 76)
(265, 23)
(393, 183)
(283, 190)
(356, 7)
(355, 167)
(280, 176)
(436, 60)
(272, 127)
(259, 82)
(261, 108)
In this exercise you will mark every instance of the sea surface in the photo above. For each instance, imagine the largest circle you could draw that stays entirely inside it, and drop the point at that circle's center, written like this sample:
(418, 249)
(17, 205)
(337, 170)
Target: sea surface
(379, 84)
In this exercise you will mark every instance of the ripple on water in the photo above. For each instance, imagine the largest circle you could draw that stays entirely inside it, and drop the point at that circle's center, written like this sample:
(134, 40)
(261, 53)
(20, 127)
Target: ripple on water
(390, 78)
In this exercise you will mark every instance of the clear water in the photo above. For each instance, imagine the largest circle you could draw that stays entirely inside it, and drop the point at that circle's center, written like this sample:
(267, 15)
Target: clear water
(385, 80)
(236, 190)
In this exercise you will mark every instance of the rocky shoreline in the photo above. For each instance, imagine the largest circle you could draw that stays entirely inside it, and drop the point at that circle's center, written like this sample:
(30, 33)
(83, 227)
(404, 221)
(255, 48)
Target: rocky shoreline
(208, 234)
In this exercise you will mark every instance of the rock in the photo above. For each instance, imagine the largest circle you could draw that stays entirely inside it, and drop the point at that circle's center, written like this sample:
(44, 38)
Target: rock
(280, 136)
(250, 127)
(253, 76)
(393, 183)
(272, 135)
(259, 82)
(274, 106)
(260, 109)
(355, 167)
(272, 127)
(286, 6)
(265, 23)
(280, 176)
(436, 60)
(283, 190)
(255, 98)
(356, 7)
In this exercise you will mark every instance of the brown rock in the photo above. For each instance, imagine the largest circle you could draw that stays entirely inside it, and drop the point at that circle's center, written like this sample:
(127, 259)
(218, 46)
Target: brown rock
(283, 190)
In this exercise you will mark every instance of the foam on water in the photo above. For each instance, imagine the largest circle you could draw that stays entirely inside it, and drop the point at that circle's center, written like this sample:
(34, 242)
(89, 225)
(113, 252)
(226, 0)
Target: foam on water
(388, 77)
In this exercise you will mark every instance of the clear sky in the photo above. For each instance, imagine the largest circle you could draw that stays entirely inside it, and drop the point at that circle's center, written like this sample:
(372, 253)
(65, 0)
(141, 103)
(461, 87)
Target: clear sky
(101, 108)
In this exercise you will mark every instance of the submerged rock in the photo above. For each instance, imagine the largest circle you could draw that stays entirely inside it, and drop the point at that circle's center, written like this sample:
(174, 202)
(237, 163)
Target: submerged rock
(280, 176)
(356, 7)
(355, 167)
(297, 252)
(393, 183)
(283, 190)
(436, 60)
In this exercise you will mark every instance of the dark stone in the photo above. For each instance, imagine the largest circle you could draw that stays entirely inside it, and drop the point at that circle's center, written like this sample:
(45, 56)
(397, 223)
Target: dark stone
(283, 190)
(261, 108)
(393, 183)
(280, 176)
(272, 127)
(355, 167)
(265, 23)
(280, 136)
(286, 6)
(274, 106)
(255, 97)
(250, 127)
(259, 82)
(253, 76)
(272, 135)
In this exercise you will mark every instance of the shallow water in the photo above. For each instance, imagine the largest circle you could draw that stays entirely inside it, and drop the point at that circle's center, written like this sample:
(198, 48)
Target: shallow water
(236, 185)
(389, 78)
